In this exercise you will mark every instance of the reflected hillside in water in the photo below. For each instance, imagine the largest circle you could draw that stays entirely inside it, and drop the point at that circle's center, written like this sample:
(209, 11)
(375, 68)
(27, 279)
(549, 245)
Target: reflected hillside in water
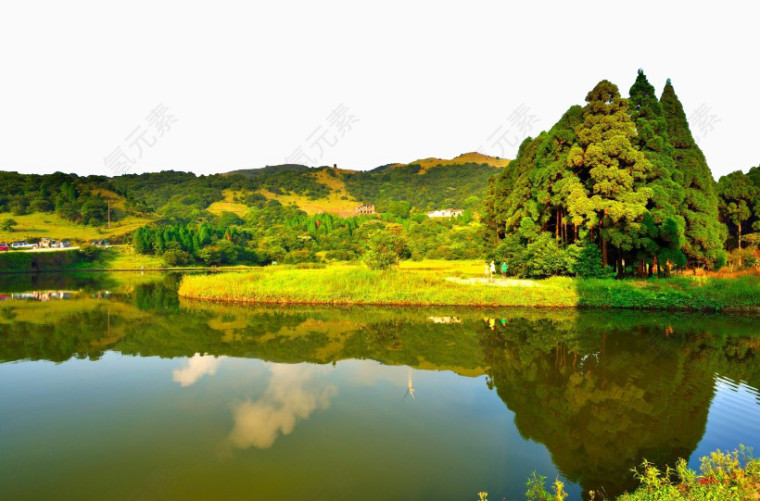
(600, 389)
(604, 391)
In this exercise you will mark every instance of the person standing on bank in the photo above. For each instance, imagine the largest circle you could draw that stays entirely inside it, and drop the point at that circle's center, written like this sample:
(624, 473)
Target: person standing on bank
(493, 269)
(504, 268)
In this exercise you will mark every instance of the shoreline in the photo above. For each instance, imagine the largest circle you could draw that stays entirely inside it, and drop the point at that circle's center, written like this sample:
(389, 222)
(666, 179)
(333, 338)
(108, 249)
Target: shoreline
(751, 310)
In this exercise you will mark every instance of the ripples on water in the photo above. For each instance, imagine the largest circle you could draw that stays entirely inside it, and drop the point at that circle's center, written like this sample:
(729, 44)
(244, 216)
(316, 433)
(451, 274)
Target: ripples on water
(123, 391)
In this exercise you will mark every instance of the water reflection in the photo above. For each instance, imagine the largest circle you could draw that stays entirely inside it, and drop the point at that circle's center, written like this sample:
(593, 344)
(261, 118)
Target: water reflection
(195, 368)
(293, 394)
(600, 390)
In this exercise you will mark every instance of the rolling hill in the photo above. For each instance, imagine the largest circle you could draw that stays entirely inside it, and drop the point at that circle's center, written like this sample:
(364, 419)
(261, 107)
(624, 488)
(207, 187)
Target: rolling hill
(73, 207)
(426, 184)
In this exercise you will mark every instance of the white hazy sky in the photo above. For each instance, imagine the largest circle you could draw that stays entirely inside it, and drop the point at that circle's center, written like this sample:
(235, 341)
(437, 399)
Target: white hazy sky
(249, 82)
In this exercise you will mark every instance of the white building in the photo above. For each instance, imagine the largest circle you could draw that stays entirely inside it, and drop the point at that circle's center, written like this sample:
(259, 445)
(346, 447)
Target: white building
(446, 213)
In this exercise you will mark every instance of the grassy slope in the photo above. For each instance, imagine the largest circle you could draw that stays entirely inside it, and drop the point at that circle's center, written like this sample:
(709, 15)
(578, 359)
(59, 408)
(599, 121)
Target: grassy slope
(339, 202)
(229, 204)
(42, 224)
(476, 158)
(428, 285)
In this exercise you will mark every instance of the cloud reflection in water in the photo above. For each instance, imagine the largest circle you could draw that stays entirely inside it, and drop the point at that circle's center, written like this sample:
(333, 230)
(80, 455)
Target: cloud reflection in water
(195, 368)
(293, 394)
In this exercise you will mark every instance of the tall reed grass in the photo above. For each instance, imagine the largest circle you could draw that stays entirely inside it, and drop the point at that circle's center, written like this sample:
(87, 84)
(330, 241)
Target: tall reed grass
(358, 285)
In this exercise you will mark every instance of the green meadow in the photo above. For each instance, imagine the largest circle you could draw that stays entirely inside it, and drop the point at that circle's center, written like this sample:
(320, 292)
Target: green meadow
(431, 284)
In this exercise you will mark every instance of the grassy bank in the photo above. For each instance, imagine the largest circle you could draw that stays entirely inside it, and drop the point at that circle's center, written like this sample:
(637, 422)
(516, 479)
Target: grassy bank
(432, 286)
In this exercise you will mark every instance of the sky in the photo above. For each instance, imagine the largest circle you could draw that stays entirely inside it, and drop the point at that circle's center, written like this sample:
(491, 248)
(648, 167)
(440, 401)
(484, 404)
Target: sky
(97, 87)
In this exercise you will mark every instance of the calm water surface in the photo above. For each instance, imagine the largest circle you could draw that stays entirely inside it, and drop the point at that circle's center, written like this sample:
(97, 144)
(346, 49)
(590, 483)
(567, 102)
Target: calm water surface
(113, 388)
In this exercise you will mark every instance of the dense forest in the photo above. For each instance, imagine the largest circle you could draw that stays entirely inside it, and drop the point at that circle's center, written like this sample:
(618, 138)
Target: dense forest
(618, 186)
(272, 232)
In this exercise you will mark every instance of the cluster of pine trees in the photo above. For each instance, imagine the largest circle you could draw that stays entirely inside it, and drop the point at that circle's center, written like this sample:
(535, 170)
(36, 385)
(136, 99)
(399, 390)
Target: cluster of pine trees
(619, 178)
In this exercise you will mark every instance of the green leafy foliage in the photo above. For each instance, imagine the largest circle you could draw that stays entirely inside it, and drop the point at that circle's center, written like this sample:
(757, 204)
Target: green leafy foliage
(384, 250)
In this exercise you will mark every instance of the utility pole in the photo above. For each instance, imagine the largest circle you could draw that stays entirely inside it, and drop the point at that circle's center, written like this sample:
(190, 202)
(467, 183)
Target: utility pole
(109, 213)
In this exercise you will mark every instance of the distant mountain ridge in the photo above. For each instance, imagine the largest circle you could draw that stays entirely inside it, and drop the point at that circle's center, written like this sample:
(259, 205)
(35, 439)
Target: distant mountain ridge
(424, 163)
(425, 184)
(269, 169)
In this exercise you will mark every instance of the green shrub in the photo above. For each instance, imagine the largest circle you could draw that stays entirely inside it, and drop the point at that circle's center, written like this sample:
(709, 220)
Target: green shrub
(210, 256)
(177, 258)
(89, 252)
(587, 262)
(339, 255)
(8, 224)
(742, 259)
(383, 250)
(300, 256)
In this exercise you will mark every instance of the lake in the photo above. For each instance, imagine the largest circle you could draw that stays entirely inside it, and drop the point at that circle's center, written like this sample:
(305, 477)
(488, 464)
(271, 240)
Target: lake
(114, 388)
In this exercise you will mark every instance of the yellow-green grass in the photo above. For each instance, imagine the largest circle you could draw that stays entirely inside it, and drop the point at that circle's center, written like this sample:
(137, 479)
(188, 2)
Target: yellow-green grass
(43, 224)
(355, 284)
(123, 257)
(333, 204)
(465, 268)
(338, 202)
(229, 204)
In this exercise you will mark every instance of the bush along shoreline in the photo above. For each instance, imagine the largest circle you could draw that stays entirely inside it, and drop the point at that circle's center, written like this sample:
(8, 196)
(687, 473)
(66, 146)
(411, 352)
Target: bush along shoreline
(356, 285)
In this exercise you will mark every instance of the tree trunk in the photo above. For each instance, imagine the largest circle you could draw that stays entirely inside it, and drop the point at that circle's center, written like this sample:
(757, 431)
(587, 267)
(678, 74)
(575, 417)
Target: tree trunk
(619, 265)
(739, 225)
(556, 228)
(575, 230)
(604, 252)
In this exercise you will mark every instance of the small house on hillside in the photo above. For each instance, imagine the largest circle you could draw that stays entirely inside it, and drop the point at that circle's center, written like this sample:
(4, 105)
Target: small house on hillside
(446, 213)
(365, 209)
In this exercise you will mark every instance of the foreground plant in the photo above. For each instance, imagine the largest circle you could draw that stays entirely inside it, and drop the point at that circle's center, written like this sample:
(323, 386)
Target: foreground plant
(723, 475)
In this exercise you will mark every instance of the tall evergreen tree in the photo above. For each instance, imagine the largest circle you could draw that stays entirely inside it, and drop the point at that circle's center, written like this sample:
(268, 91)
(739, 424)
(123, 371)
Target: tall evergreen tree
(612, 169)
(705, 234)
(663, 234)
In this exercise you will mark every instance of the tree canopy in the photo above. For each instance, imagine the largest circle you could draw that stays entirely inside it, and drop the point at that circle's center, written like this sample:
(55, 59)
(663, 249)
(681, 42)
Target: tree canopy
(621, 174)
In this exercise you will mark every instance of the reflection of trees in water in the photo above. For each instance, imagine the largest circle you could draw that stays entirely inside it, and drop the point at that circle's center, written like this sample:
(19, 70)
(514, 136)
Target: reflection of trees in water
(600, 389)
(602, 397)
(78, 336)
